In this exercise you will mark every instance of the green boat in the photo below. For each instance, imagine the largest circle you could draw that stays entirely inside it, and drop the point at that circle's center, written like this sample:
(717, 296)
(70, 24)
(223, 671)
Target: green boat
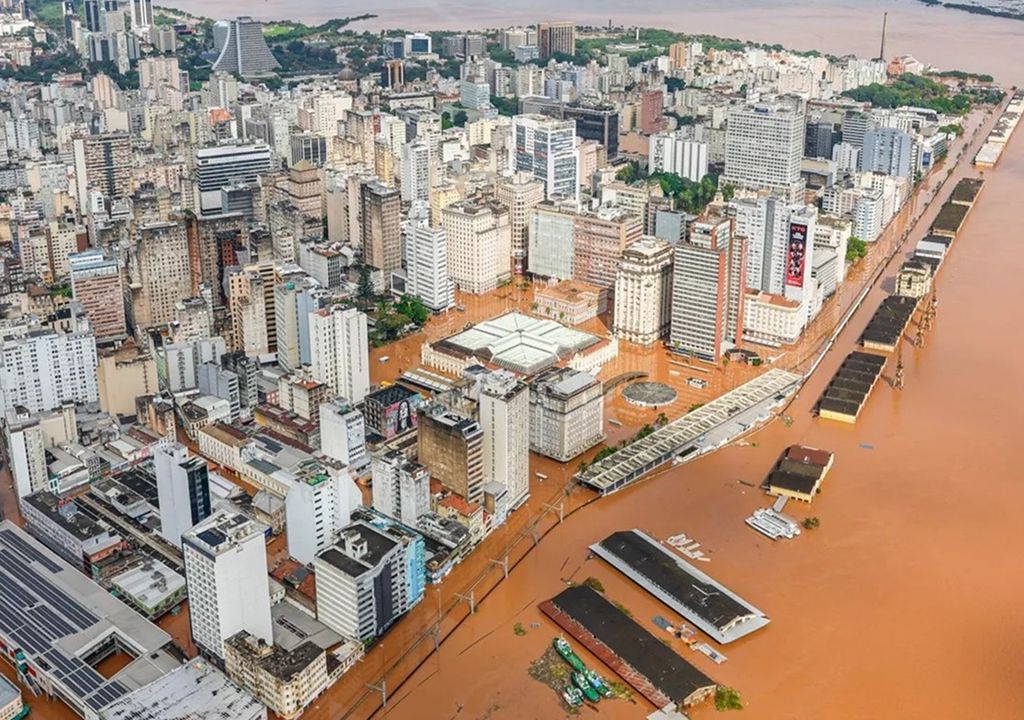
(563, 649)
(572, 696)
(583, 684)
(597, 682)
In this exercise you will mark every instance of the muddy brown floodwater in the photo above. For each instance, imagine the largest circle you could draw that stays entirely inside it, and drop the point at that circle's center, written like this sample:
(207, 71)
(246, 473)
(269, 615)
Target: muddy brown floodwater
(904, 603)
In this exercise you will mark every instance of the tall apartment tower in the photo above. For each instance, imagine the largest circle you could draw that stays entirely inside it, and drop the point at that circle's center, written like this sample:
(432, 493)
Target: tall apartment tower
(889, 151)
(294, 300)
(426, 260)
(451, 446)
(219, 167)
(338, 349)
(556, 37)
(777, 234)
(243, 49)
(44, 369)
(226, 572)
(92, 15)
(317, 506)
(343, 434)
(380, 208)
(479, 244)
(764, 145)
(96, 284)
(519, 193)
(504, 412)
(546, 148)
(160, 272)
(401, 488)
(183, 487)
(416, 171)
(104, 163)
(643, 292)
(675, 152)
(709, 280)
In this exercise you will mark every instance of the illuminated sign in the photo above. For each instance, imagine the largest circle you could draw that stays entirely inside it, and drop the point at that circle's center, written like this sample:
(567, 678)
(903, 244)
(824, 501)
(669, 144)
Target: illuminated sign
(796, 255)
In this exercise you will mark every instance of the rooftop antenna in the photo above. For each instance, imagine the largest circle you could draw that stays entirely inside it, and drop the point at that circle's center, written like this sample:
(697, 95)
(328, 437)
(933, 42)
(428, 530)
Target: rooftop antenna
(881, 51)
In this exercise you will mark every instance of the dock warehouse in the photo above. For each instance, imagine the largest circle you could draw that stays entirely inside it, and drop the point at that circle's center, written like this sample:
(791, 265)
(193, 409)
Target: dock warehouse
(799, 473)
(850, 387)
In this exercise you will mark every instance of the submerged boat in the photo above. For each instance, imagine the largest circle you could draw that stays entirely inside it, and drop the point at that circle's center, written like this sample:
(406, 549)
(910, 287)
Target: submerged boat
(572, 696)
(565, 650)
(597, 682)
(580, 680)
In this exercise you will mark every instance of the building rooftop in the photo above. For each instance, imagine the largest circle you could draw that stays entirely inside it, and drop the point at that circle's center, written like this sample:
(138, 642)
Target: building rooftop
(196, 691)
(8, 692)
(222, 531)
(66, 516)
(293, 628)
(149, 584)
(375, 544)
(282, 664)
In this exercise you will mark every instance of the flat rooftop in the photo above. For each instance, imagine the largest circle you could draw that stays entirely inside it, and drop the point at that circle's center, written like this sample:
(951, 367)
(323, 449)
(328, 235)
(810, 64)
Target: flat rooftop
(8, 692)
(706, 603)
(57, 616)
(149, 584)
(966, 191)
(293, 627)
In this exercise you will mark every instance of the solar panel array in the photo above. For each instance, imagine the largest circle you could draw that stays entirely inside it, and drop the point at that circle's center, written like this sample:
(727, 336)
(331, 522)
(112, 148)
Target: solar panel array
(35, 614)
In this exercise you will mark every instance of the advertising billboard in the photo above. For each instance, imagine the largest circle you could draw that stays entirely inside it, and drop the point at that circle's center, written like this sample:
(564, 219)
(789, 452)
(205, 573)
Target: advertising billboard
(400, 417)
(796, 255)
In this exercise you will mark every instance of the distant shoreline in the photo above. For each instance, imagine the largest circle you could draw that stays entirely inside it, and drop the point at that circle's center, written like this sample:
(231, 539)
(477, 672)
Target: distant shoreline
(974, 9)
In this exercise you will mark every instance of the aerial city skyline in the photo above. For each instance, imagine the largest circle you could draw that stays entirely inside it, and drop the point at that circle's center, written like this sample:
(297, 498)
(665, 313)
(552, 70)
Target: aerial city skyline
(526, 368)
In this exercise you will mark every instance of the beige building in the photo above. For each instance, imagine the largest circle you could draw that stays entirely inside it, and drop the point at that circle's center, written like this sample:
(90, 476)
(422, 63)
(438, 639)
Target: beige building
(772, 319)
(248, 311)
(123, 376)
(96, 283)
(451, 447)
(286, 682)
(914, 279)
(566, 413)
(556, 38)
(442, 195)
(643, 292)
(570, 302)
(519, 194)
(159, 271)
(381, 229)
(479, 245)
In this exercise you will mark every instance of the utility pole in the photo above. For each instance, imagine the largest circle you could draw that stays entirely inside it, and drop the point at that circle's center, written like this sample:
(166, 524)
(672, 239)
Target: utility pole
(897, 380)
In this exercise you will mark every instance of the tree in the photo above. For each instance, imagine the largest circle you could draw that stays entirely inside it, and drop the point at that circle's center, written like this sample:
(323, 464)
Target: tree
(365, 285)
(413, 308)
(728, 191)
(446, 120)
(726, 698)
(855, 249)
(460, 118)
(811, 523)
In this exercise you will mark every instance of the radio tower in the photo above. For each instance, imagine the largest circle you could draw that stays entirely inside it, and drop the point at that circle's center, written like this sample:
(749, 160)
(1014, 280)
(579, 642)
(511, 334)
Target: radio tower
(881, 51)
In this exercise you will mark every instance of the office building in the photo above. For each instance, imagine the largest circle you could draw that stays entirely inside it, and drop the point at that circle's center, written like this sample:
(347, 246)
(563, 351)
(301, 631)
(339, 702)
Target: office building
(43, 369)
(556, 38)
(519, 193)
(417, 44)
(319, 503)
(294, 300)
(889, 151)
(243, 49)
(855, 126)
(598, 122)
(643, 292)
(183, 487)
(819, 139)
(426, 261)
(546, 148)
(12, 707)
(227, 165)
(677, 154)
(228, 590)
(103, 163)
(479, 245)
(343, 435)
(141, 15)
(75, 536)
(391, 411)
(96, 284)
(504, 412)
(222, 383)
(778, 234)
(160, 272)
(401, 488)
(652, 119)
(26, 443)
(416, 171)
(566, 413)
(92, 15)
(708, 284)
(764, 145)
(451, 447)
(379, 216)
(368, 580)
(339, 351)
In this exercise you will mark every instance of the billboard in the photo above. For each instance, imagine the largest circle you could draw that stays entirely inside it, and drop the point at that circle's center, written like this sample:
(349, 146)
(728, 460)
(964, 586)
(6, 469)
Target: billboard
(796, 255)
(400, 417)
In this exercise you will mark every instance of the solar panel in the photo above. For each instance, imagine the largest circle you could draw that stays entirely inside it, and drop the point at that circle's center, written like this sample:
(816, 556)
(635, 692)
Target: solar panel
(27, 551)
(55, 597)
(63, 665)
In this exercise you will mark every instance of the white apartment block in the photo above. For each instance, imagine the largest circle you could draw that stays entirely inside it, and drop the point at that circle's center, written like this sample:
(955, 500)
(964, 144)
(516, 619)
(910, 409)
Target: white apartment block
(479, 245)
(566, 413)
(643, 292)
(426, 260)
(675, 153)
(504, 416)
(546, 148)
(772, 319)
(228, 588)
(317, 506)
(764, 147)
(401, 488)
(343, 434)
(832, 232)
(339, 351)
(416, 171)
(43, 369)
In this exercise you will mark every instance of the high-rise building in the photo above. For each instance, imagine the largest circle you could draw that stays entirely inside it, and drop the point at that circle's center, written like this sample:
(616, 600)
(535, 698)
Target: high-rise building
(652, 118)
(294, 300)
(426, 261)
(92, 15)
(764, 145)
(566, 413)
(228, 587)
(380, 208)
(343, 434)
(643, 292)
(243, 49)
(142, 15)
(504, 413)
(451, 446)
(43, 369)
(401, 488)
(773, 232)
(519, 193)
(160, 272)
(338, 351)
(415, 171)
(248, 311)
(889, 151)
(96, 284)
(104, 163)
(227, 165)
(25, 445)
(183, 488)
(819, 140)
(855, 126)
(246, 369)
(596, 121)
(709, 279)
(319, 504)
(556, 38)
(222, 383)
(675, 153)
(479, 244)
(546, 148)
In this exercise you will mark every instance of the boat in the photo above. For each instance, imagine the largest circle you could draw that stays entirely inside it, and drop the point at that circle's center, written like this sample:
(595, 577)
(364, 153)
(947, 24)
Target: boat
(563, 649)
(573, 696)
(597, 682)
(580, 681)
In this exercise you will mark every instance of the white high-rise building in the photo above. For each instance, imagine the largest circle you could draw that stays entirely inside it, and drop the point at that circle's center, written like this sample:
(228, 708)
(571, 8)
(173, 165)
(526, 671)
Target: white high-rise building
(25, 446)
(218, 167)
(319, 504)
(479, 244)
(416, 171)
(228, 589)
(772, 228)
(764, 145)
(546, 148)
(42, 369)
(343, 434)
(339, 351)
(401, 488)
(183, 487)
(675, 153)
(505, 418)
(426, 260)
